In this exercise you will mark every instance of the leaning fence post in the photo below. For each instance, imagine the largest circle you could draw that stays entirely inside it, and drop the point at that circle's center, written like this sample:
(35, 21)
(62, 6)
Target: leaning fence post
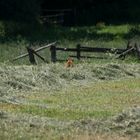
(78, 51)
(53, 53)
(129, 45)
(137, 50)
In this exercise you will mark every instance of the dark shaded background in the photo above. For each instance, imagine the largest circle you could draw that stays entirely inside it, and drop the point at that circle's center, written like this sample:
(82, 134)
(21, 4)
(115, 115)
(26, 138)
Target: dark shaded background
(85, 12)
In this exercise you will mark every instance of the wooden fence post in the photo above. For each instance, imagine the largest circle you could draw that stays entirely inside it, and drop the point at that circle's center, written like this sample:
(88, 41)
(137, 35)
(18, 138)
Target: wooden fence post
(137, 50)
(53, 53)
(78, 51)
(129, 45)
(31, 56)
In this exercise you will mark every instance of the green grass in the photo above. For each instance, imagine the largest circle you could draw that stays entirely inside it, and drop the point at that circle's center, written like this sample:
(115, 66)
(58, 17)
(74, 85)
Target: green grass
(112, 36)
(48, 114)
(101, 100)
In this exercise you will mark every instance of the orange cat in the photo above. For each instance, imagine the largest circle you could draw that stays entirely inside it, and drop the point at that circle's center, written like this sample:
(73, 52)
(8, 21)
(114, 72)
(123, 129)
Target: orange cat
(69, 62)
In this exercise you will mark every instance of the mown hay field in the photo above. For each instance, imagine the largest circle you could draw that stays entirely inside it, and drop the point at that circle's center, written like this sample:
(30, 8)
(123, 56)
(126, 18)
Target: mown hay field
(96, 99)
(86, 101)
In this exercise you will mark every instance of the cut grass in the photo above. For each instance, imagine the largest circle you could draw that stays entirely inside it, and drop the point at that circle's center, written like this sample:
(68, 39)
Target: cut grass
(95, 101)
(100, 101)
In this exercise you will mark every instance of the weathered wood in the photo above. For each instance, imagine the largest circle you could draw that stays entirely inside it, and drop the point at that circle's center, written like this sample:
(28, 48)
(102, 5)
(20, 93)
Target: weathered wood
(129, 45)
(67, 49)
(53, 53)
(96, 57)
(31, 56)
(21, 56)
(78, 51)
(126, 52)
(38, 55)
(101, 50)
(89, 49)
(37, 50)
(137, 50)
(46, 46)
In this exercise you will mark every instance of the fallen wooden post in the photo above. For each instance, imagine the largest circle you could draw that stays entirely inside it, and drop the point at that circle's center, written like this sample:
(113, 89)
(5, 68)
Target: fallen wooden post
(123, 54)
(37, 50)
(34, 52)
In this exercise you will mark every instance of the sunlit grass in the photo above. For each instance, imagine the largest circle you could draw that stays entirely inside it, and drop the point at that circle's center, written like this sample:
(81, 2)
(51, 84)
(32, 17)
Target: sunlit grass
(101, 100)
(118, 29)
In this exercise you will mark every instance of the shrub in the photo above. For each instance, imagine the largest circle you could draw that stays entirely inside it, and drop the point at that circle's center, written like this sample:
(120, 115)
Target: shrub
(13, 28)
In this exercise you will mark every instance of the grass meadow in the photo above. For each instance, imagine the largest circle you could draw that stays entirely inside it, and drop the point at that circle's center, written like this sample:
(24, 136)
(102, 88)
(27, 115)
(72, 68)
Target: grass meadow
(97, 99)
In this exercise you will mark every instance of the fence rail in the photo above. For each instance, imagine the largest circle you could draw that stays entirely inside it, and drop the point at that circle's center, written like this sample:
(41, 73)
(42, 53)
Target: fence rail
(37, 50)
(101, 50)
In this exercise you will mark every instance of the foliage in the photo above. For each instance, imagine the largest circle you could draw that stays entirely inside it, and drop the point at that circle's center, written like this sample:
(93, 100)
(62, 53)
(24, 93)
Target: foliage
(18, 17)
(87, 12)
(23, 11)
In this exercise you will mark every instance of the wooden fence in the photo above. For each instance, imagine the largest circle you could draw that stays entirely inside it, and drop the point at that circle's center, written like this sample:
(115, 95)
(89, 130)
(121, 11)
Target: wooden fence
(121, 53)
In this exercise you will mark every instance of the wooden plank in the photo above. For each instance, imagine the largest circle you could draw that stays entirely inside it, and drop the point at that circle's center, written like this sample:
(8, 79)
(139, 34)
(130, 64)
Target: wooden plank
(123, 54)
(85, 49)
(46, 46)
(138, 51)
(37, 50)
(89, 49)
(101, 50)
(96, 57)
(53, 53)
(21, 56)
(67, 49)
(39, 55)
